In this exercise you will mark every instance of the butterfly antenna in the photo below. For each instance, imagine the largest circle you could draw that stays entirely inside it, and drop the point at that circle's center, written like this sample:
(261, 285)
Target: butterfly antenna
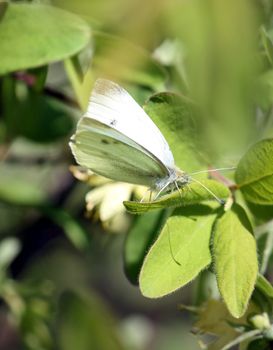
(221, 201)
(171, 251)
(212, 170)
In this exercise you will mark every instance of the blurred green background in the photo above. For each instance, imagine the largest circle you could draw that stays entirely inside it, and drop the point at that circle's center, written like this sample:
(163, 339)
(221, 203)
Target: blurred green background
(63, 284)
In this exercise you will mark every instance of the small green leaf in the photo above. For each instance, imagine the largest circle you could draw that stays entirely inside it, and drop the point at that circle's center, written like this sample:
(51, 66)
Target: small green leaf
(192, 194)
(180, 252)
(264, 286)
(21, 192)
(33, 35)
(254, 174)
(235, 259)
(73, 230)
(138, 240)
(9, 249)
(266, 39)
(175, 117)
(32, 115)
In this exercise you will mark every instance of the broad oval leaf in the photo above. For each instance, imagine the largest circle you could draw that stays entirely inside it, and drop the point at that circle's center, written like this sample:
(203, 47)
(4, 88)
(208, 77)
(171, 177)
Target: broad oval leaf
(180, 252)
(33, 35)
(192, 194)
(254, 174)
(175, 116)
(235, 259)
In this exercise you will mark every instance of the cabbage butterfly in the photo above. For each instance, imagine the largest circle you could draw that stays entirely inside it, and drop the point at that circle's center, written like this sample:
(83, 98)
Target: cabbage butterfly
(115, 138)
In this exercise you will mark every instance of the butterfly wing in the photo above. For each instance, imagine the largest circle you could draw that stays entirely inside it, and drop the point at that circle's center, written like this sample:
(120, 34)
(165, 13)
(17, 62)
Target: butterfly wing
(111, 105)
(109, 153)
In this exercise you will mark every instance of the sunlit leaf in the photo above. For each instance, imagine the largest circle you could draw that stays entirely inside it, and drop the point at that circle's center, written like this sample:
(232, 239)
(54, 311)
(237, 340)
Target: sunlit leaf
(254, 174)
(180, 252)
(33, 35)
(235, 259)
(21, 192)
(9, 248)
(192, 194)
(175, 117)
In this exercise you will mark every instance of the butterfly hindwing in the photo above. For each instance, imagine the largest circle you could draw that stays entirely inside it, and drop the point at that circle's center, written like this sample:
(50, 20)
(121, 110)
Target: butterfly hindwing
(115, 156)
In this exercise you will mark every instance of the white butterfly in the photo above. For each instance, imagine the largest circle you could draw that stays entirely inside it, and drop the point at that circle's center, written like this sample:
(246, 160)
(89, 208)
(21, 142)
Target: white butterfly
(116, 138)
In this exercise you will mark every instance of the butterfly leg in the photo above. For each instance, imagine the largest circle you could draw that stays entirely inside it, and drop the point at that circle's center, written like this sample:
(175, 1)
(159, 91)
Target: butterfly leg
(178, 189)
(161, 190)
(142, 199)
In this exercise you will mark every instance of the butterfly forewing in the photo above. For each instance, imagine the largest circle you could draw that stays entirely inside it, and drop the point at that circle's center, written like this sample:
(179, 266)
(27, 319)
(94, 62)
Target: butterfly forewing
(113, 106)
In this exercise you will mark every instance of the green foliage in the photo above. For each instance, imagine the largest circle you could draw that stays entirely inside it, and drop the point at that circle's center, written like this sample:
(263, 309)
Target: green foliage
(235, 259)
(175, 116)
(254, 174)
(264, 286)
(180, 252)
(138, 240)
(192, 194)
(35, 35)
(136, 67)
(207, 84)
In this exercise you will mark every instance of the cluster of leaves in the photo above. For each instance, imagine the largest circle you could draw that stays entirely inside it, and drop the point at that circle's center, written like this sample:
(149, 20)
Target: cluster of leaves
(183, 235)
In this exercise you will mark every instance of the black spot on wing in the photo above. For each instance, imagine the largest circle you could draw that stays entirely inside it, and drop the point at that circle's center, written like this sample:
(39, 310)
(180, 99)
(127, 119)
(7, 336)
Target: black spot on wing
(113, 122)
(105, 142)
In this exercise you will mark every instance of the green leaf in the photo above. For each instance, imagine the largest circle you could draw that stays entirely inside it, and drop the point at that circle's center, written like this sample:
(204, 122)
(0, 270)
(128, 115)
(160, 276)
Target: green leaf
(9, 249)
(265, 89)
(21, 192)
(175, 117)
(139, 239)
(266, 39)
(235, 259)
(192, 194)
(73, 230)
(30, 114)
(33, 35)
(180, 252)
(264, 286)
(84, 322)
(82, 84)
(254, 174)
